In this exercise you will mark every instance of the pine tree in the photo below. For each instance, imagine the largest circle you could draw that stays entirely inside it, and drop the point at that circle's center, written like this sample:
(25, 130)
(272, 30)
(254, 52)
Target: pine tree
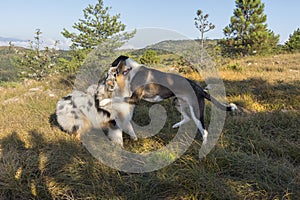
(96, 27)
(247, 33)
(293, 43)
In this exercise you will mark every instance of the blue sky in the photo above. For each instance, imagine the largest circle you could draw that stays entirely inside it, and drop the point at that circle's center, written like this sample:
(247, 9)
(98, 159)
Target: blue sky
(20, 18)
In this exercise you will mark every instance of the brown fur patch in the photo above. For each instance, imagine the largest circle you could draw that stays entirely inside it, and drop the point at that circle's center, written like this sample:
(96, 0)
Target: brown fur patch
(86, 127)
(121, 81)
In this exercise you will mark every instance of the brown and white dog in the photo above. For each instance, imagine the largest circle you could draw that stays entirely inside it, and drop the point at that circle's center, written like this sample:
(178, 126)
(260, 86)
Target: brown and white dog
(136, 82)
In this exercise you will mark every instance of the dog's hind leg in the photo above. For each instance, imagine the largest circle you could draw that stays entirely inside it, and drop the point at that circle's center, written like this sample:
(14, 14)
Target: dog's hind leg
(185, 119)
(114, 132)
(126, 126)
(81, 127)
(115, 135)
(182, 107)
(199, 125)
(129, 129)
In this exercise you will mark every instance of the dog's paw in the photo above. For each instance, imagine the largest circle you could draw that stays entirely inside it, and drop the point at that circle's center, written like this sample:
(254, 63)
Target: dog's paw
(134, 138)
(104, 102)
(116, 141)
(176, 125)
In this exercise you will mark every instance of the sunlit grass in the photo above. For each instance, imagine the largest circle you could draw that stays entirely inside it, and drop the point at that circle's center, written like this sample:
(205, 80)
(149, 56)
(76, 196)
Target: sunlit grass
(257, 155)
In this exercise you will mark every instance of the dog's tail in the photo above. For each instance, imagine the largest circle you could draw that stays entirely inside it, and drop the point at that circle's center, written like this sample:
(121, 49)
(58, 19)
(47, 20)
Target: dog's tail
(200, 92)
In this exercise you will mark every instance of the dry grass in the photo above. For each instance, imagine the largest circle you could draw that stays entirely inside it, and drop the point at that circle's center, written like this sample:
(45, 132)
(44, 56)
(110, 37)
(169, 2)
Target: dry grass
(257, 157)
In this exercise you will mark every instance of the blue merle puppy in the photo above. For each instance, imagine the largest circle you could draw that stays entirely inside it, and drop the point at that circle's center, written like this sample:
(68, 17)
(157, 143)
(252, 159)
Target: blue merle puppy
(78, 112)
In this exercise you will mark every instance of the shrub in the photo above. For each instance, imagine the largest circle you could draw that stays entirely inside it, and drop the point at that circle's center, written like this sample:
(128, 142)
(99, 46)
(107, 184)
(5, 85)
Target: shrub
(150, 57)
(35, 63)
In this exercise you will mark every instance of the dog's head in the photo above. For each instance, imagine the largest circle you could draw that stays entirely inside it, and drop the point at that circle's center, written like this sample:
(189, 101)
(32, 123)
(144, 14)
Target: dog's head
(126, 69)
(123, 68)
(122, 73)
(125, 65)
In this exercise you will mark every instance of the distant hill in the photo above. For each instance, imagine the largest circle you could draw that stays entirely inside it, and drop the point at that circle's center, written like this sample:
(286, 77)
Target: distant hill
(174, 46)
(4, 41)
(9, 39)
(172, 43)
(179, 44)
(9, 73)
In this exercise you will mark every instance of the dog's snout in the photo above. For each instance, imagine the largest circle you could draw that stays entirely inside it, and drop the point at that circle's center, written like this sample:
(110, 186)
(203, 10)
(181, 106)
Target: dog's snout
(109, 83)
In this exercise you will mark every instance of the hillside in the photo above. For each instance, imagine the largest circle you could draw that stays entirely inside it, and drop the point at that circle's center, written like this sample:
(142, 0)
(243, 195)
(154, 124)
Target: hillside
(256, 157)
(180, 43)
(7, 70)
(174, 46)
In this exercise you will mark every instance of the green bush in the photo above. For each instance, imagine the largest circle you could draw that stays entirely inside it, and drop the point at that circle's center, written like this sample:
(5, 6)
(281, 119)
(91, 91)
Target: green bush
(150, 57)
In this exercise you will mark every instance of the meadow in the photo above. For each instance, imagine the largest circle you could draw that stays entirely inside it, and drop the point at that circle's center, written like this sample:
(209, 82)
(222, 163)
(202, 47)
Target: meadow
(257, 155)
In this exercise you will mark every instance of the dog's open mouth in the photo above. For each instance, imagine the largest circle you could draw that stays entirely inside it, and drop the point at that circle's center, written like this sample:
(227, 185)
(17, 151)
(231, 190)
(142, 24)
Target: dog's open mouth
(125, 72)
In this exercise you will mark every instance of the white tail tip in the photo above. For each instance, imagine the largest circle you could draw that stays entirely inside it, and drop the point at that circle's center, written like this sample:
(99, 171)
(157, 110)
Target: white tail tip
(233, 107)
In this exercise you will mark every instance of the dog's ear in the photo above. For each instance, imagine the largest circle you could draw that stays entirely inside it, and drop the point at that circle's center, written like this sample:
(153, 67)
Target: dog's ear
(118, 60)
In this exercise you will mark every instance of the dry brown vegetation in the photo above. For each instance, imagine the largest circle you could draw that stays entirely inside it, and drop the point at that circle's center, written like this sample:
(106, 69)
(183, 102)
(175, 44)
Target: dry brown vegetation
(257, 156)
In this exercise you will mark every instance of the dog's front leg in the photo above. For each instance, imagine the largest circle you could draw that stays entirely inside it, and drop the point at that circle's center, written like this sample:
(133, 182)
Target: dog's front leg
(136, 96)
(104, 102)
